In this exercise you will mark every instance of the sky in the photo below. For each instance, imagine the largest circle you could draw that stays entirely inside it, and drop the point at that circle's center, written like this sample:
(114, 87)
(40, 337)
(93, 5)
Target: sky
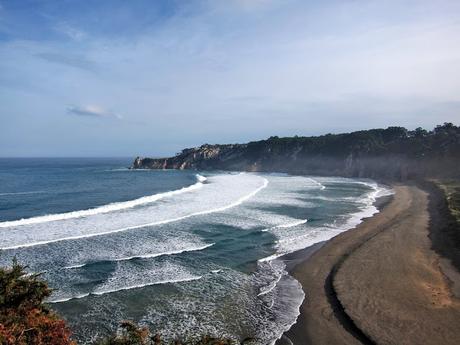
(126, 78)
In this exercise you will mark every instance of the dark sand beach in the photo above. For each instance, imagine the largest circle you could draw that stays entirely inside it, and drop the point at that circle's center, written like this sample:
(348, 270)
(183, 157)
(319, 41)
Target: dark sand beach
(382, 282)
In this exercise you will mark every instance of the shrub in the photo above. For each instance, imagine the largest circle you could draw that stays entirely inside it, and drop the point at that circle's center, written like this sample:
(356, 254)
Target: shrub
(131, 334)
(24, 319)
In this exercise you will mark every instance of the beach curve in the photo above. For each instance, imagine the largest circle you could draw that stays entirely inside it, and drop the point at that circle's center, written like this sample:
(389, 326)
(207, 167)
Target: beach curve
(347, 281)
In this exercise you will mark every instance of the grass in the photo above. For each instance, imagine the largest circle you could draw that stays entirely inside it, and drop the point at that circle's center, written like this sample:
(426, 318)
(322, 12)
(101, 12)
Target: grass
(451, 189)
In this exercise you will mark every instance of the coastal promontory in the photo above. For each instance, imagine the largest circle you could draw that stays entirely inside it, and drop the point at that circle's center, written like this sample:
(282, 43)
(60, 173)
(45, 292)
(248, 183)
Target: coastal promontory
(394, 153)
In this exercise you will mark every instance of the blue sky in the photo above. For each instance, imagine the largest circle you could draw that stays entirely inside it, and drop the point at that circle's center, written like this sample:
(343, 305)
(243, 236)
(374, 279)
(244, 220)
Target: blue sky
(122, 78)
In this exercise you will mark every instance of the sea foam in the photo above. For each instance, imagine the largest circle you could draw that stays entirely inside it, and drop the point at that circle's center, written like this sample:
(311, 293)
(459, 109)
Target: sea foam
(223, 193)
(147, 256)
(116, 206)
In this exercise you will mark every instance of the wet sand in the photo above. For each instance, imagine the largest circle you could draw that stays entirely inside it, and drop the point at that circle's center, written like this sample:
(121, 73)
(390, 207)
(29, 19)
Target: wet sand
(380, 283)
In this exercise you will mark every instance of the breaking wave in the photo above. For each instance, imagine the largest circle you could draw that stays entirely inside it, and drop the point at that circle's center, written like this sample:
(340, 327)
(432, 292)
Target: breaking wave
(116, 206)
(148, 256)
(102, 232)
(137, 286)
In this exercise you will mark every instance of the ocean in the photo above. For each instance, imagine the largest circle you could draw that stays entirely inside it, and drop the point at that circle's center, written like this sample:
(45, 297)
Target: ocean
(183, 252)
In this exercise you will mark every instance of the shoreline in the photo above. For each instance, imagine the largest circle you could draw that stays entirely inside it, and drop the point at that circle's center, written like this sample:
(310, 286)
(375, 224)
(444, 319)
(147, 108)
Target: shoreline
(299, 257)
(340, 291)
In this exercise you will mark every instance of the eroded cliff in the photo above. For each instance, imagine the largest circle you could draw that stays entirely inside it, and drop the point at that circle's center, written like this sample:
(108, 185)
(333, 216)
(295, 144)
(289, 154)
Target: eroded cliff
(392, 153)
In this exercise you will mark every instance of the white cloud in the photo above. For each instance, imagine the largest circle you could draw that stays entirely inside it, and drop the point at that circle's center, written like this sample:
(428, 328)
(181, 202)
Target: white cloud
(248, 5)
(92, 111)
(70, 31)
(241, 70)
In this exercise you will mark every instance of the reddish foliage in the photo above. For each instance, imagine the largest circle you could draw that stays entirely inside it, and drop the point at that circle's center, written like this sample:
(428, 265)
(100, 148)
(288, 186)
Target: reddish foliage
(24, 320)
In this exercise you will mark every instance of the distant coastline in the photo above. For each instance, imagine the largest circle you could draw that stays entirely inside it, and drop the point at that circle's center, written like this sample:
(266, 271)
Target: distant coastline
(410, 280)
(391, 154)
(383, 272)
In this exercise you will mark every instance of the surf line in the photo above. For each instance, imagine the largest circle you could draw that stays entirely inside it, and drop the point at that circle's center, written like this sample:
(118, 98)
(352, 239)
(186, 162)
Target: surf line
(137, 286)
(320, 185)
(288, 225)
(116, 206)
(161, 222)
(145, 256)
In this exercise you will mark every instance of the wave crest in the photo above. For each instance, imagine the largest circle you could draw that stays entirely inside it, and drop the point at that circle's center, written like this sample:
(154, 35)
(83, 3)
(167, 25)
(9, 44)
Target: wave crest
(116, 206)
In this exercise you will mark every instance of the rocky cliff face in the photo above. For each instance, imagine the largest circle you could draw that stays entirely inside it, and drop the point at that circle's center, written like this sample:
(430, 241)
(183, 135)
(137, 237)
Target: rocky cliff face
(203, 157)
(392, 153)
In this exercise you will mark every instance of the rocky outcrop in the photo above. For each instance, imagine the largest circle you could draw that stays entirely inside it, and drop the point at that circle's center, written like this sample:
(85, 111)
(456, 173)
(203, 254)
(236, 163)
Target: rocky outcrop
(393, 153)
(203, 157)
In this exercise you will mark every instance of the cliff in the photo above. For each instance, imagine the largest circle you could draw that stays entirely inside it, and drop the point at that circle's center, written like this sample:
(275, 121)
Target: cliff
(392, 153)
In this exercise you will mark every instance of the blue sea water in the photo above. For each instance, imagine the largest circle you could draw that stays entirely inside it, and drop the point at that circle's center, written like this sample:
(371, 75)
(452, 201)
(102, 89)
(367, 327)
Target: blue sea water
(179, 251)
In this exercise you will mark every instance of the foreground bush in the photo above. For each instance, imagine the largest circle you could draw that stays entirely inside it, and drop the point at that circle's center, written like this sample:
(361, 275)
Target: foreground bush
(24, 319)
(130, 334)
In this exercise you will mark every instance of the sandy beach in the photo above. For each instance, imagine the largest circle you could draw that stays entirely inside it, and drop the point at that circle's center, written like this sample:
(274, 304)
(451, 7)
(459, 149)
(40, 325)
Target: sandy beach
(382, 282)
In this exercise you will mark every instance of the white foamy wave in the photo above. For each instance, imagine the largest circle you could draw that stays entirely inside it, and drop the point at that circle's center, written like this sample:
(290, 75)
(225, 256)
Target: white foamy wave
(287, 225)
(60, 300)
(148, 256)
(300, 241)
(271, 257)
(271, 286)
(127, 275)
(378, 190)
(137, 286)
(107, 249)
(297, 240)
(267, 277)
(287, 305)
(24, 193)
(320, 185)
(117, 206)
(290, 225)
(368, 209)
(74, 266)
(281, 296)
(200, 178)
(103, 292)
(200, 213)
(223, 191)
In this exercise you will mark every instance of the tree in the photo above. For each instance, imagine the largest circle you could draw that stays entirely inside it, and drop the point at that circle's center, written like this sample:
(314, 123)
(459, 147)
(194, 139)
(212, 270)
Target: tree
(420, 132)
(446, 128)
(24, 319)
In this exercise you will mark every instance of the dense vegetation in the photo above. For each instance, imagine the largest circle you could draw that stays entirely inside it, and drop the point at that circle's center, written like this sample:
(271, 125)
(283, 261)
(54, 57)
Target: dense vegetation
(131, 334)
(391, 153)
(26, 320)
(441, 141)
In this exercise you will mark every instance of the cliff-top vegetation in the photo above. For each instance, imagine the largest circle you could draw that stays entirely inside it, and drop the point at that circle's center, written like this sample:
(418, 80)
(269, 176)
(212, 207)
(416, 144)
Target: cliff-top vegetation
(393, 153)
